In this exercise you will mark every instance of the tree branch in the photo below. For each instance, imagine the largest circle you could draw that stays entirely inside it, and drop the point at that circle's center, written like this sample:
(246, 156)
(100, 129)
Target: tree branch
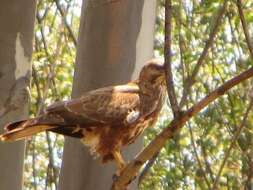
(51, 160)
(156, 145)
(197, 157)
(145, 170)
(245, 27)
(71, 33)
(191, 80)
(167, 57)
(169, 77)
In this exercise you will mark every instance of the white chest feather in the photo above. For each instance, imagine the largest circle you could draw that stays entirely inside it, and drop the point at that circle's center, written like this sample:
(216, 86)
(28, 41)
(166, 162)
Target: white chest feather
(132, 116)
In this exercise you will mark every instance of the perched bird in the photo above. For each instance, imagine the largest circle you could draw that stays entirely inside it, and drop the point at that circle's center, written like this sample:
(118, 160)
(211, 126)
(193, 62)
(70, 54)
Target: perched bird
(105, 119)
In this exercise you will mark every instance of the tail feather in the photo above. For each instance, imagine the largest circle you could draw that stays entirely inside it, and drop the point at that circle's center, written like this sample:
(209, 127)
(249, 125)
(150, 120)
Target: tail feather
(14, 125)
(21, 129)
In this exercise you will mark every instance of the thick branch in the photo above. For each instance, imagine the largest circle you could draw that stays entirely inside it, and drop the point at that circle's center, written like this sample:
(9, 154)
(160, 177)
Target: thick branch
(167, 57)
(134, 166)
(245, 27)
(191, 80)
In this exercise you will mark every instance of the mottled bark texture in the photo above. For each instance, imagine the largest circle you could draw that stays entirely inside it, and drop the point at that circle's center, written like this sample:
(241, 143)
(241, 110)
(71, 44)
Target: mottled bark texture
(115, 40)
(16, 35)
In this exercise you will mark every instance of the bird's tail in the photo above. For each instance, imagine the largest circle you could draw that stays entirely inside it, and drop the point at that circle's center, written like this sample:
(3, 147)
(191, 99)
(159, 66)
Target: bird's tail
(20, 129)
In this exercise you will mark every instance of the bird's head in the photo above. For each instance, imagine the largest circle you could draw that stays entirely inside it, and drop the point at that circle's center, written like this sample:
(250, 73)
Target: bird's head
(153, 72)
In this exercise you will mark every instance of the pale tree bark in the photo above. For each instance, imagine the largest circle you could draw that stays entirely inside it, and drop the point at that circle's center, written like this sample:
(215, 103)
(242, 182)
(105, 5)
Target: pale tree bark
(16, 34)
(115, 40)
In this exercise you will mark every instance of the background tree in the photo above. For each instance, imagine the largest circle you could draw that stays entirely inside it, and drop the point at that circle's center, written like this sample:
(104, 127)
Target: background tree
(115, 40)
(16, 35)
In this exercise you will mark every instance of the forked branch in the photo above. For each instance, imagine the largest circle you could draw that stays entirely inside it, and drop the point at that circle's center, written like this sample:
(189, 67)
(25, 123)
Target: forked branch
(156, 145)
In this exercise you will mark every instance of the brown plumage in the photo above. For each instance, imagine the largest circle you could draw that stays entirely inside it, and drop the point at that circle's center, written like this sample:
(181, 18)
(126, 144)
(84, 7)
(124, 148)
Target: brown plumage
(105, 119)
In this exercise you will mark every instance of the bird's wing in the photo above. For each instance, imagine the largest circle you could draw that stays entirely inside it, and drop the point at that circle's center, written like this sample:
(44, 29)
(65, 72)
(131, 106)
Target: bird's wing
(106, 106)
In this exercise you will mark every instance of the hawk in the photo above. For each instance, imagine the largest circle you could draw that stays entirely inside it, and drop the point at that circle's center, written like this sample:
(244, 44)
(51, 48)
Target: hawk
(105, 119)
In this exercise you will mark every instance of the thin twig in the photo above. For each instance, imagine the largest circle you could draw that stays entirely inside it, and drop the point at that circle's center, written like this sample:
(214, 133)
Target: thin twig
(42, 35)
(167, 57)
(197, 157)
(71, 33)
(51, 160)
(36, 82)
(147, 167)
(234, 38)
(208, 167)
(43, 96)
(191, 80)
(160, 140)
(233, 141)
(245, 28)
(34, 171)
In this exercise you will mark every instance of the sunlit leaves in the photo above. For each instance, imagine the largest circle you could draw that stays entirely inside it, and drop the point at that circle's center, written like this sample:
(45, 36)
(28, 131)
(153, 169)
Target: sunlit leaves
(177, 167)
(214, 127)
(53, 60)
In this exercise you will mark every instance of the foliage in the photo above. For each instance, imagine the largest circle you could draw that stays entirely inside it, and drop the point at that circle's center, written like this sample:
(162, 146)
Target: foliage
(193, 158)
(53, 58)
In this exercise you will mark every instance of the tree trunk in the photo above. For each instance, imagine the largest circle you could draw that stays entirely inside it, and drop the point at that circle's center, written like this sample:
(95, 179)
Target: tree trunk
(115, 39)
(16, 34)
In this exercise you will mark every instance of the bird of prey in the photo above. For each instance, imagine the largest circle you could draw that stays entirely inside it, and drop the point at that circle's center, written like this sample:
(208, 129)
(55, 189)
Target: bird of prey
(105, 119)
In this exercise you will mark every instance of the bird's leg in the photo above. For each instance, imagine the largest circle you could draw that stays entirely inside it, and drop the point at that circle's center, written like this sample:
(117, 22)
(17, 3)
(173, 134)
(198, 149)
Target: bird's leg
(120, 163)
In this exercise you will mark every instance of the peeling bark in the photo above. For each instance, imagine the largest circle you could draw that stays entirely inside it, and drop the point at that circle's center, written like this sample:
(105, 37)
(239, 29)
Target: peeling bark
(23, 63)
(16, 34)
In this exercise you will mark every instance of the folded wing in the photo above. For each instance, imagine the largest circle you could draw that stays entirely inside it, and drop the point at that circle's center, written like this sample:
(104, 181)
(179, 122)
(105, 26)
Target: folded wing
(111, 106)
